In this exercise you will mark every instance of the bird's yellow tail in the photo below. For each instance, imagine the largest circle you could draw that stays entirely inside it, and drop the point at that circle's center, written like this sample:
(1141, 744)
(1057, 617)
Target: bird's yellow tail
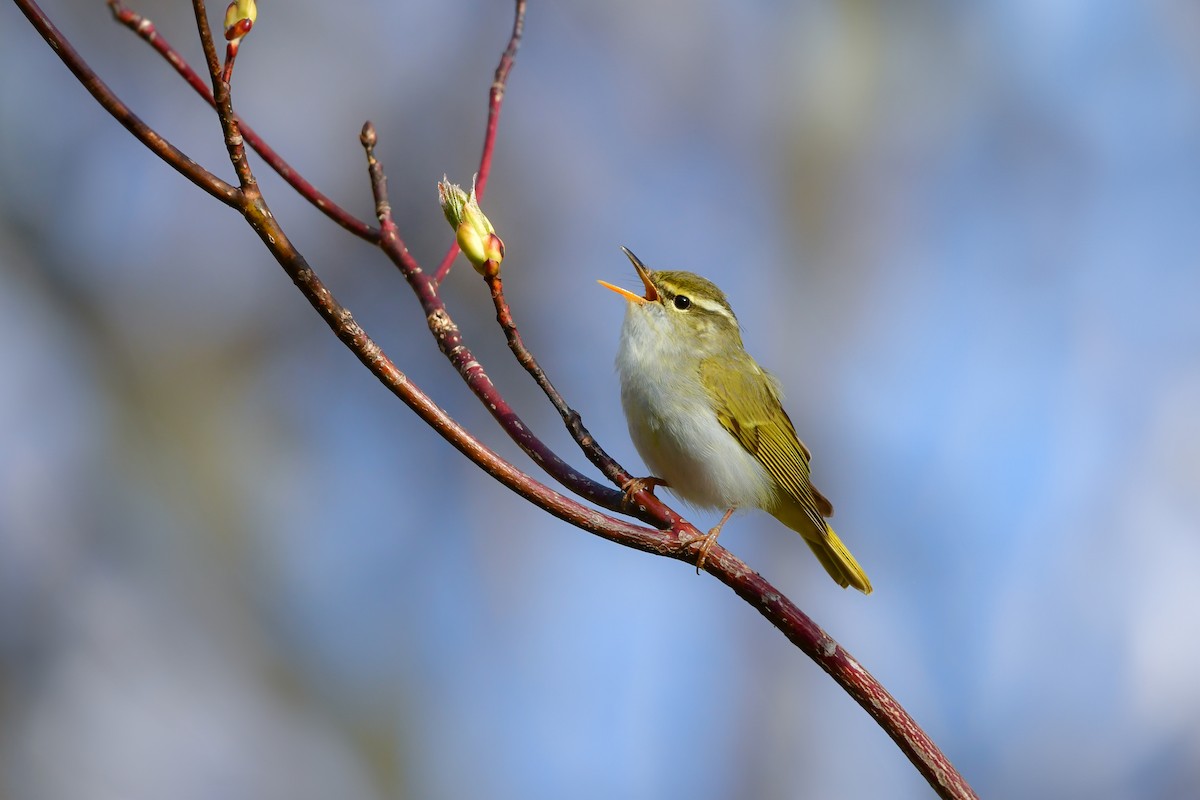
(828, 548)
(838, 562)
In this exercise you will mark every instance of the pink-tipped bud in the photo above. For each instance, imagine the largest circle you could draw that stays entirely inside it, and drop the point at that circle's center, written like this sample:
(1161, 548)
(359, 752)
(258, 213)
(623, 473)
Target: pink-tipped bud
(476, 237)
(239, 19)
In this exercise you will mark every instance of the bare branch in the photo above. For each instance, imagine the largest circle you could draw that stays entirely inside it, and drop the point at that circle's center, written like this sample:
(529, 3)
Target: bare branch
(206, 41)
(221, 99)
(450, 341)
(590, 447)
(830, 656)
(146, 29)
(495, 101)
(168, 152)
(344, 326)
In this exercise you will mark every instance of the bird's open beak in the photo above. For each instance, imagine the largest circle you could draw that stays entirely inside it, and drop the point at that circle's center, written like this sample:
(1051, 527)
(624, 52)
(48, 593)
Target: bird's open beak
(644, 274)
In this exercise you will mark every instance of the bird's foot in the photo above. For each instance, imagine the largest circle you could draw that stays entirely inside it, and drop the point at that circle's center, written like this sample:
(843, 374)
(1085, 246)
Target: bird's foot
(710, 539)
(635, 485)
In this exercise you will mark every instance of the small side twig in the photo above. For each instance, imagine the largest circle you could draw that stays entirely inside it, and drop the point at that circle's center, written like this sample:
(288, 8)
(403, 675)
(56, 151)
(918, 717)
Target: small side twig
(168, 152)
(450, 342)
(496, 97)
(587, 443)
(234, 143)
(149, 33)
(495, 102)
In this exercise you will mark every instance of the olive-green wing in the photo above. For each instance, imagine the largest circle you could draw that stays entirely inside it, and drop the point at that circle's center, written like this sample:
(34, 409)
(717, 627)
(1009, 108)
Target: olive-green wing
(747, 405)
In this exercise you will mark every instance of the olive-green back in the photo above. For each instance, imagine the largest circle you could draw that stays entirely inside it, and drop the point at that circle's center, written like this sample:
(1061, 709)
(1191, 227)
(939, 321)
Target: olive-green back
(747, 405)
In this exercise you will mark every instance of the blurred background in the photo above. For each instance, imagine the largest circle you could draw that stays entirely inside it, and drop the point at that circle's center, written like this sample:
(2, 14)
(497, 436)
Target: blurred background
(963, 235)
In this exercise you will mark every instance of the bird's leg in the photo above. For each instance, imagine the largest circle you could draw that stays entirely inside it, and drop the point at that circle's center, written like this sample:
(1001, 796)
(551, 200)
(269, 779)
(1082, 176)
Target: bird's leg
(635, 485)
(710, 539)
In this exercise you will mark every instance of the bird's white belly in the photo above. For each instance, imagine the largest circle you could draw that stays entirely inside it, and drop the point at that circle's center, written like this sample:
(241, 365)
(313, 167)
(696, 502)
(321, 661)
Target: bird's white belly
(676, 431)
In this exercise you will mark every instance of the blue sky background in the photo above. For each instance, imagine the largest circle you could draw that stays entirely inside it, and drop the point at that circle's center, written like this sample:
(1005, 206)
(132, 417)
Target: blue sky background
(963, 235)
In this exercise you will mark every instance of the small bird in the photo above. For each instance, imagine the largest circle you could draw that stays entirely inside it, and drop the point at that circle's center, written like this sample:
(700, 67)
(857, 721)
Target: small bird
(707, 419)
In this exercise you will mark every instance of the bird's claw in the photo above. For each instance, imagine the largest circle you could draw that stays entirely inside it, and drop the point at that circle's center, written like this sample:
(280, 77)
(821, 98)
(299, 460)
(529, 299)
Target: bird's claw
(635, 485)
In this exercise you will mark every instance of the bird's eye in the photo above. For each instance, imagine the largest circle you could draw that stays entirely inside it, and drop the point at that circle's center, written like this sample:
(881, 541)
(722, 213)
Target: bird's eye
(683, 302)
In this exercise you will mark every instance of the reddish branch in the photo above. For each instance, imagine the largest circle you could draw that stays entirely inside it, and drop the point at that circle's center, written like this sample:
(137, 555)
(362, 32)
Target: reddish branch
(674, 538)
(147, 31)
(450, 341)
(590, 447)
(144, 133)
(495, 101)
(234, 143)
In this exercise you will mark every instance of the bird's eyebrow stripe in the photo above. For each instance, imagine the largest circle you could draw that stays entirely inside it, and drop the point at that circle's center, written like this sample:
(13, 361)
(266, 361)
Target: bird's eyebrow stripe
(712, 306)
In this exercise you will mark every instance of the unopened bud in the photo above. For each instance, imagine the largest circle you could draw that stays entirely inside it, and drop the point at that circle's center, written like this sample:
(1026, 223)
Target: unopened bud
(476, 237)
(239, 19)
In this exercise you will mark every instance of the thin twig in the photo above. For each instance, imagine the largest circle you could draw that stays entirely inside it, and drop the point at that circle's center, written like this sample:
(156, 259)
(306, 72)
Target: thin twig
(450, 341)
(204, 29)
(234, 143)
(146, 29)
(591, 448)
(496, 97)
(168, 152)
(372, 356)
(495, 101)
(343, 324)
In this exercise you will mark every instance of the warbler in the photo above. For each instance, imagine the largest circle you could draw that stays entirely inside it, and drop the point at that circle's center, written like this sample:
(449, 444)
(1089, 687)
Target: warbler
(708, 420)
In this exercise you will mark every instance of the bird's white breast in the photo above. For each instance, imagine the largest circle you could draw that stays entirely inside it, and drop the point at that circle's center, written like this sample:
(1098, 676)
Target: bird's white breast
(672, 421)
